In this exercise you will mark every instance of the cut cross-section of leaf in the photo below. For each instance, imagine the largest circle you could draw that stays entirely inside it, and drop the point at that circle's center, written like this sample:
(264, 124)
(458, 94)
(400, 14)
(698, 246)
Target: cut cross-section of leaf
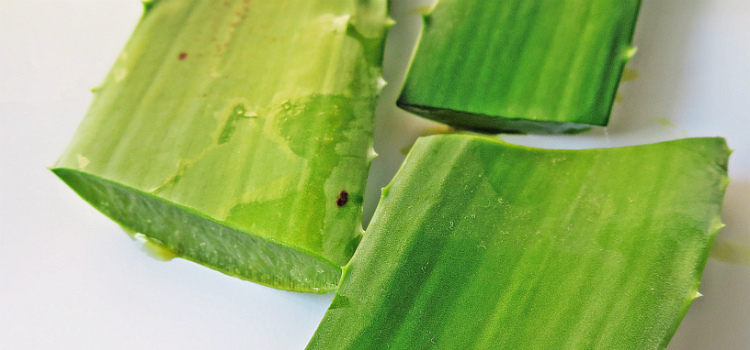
(478, 244)
(227, 130)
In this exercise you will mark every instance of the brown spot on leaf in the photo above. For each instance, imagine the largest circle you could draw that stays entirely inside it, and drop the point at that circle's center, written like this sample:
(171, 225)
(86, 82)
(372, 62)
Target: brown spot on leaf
(343, 198)
(182, 56)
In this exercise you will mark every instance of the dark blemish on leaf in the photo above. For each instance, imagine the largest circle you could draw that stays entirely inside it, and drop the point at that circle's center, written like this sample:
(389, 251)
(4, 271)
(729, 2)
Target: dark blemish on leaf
(182, 56)
(343, 198)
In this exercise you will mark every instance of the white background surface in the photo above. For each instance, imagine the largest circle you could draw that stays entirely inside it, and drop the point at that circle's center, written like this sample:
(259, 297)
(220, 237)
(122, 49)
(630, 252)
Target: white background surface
(70, 279)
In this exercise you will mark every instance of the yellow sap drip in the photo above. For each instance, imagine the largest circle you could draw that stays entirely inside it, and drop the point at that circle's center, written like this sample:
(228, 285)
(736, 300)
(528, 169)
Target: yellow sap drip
(153, 247)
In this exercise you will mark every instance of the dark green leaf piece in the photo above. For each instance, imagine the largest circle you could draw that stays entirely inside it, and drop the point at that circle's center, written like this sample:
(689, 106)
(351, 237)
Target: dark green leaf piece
(521, 66)
(478, 244)
(230, 132)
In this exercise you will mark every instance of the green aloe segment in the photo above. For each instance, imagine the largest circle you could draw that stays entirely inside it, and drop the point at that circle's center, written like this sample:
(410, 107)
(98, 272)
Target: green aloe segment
(478, 244)
(519, 65)
(238, 134)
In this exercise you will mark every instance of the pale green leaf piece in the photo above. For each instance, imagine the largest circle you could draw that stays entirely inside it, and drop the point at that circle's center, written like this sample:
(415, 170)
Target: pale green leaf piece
(238, 134)
(479, 244)
(521, 66)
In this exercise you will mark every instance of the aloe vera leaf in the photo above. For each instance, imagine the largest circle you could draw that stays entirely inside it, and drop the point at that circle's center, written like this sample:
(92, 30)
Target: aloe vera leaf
(521, 66)
(478, 244)
(238, 134)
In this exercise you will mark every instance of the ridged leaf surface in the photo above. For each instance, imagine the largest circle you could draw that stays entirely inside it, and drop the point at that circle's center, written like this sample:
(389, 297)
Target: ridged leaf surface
(519, 65)
(479, 244)
(237, 134)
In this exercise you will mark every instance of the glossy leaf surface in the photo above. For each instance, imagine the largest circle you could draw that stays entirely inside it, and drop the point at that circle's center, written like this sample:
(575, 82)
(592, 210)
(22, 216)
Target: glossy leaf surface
(521, 66)
(478, 244)
(228, 132)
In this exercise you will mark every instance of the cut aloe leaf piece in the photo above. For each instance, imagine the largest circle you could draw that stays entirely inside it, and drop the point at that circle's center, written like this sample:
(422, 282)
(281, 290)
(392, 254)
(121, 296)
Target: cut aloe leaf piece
(521, 66)
(478, 244)
(238, 134)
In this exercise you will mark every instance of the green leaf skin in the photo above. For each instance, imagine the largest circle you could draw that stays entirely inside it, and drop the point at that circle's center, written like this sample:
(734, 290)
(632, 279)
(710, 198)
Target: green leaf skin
(227, 131)
(521, 66)
(478, 244)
